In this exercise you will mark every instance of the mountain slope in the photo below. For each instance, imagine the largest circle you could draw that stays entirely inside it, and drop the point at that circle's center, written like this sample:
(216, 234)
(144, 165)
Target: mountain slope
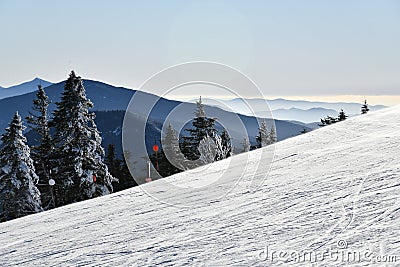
(335, 188)
(110, 103)
(106, 98)
(23, 88)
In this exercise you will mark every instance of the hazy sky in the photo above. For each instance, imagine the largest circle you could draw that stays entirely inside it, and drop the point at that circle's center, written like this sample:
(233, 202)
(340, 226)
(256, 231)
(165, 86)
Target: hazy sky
(289, 48)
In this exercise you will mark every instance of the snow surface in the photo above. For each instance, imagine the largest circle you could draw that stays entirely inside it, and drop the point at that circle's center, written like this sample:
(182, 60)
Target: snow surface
(335, 188)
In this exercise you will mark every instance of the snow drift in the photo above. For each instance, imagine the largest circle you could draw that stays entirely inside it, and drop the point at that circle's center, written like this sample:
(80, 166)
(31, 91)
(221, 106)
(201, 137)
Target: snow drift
(335, 189)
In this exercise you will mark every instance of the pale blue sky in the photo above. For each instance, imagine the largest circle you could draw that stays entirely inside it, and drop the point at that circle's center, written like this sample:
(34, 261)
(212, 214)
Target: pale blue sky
(289, 48)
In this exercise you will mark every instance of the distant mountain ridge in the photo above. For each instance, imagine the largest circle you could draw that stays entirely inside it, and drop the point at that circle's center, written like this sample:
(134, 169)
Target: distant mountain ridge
(283, 109)
(303, 115)
(23, 88)
(109, 98)
(281, 103)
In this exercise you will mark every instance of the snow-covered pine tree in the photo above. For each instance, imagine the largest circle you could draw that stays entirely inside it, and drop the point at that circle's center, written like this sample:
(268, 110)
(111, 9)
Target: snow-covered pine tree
(331, 120)
(169, 159)
(272, 137)
(263, 135)
(40, 153)
(18, 194)
(220, 152)
(328, 120)
(202, 127)
(80, 173)
(245, 145)
(207, 149)
(342, 116)
(364, 108)
(323, 123)
(226, 149)
(171, 152)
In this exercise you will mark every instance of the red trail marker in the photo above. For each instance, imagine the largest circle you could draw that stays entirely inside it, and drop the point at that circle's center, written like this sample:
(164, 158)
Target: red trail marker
(155, 148)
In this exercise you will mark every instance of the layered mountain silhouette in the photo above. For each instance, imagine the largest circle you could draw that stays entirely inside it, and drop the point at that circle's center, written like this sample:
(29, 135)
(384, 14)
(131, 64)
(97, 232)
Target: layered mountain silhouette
(290, 110)
(22, 88)
(110, 103)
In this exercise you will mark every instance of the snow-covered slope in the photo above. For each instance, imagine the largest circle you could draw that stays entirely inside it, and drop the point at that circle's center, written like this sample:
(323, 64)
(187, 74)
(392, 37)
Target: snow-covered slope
(335, 189)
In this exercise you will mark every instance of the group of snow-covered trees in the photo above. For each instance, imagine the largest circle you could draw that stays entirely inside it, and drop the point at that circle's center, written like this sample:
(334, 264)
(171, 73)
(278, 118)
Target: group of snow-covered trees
(265, 137)
(119, 169)
(203, 144)
(65, 166)
(331, 120)
(342, 116)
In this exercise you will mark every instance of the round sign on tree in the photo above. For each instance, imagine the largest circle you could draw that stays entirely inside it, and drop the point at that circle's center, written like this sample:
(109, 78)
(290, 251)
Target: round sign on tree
(52, 182)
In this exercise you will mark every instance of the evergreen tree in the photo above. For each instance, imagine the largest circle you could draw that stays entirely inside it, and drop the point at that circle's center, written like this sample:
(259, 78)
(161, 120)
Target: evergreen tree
(263, 135)
(342, 116)
(220, 152)
(208, 150)
(272, 137)
(18, 194)
(125, 179)
(202, 127)
(328, 121)
(80, 173)
(245, 145)
(226, 149)
(171, 152)
(41, 152)
(111, 161)
(169, 160)
(215, 148)
(119, 169)
(170, 142)
(364, 108)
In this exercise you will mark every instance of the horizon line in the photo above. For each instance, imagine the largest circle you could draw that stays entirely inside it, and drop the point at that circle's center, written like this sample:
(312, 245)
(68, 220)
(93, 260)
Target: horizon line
(385, 99)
